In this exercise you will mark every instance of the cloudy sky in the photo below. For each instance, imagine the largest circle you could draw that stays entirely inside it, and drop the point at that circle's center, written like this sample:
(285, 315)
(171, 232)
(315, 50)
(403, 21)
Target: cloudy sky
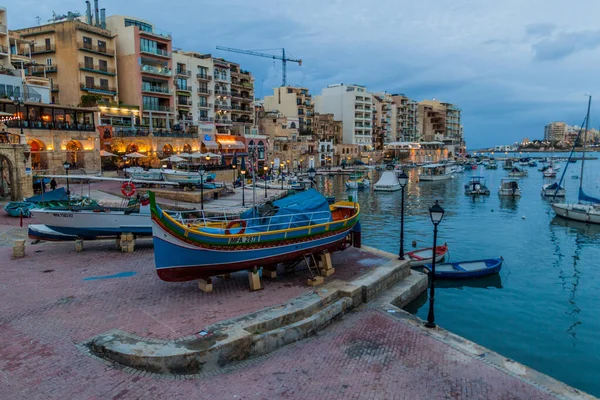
(511, 65)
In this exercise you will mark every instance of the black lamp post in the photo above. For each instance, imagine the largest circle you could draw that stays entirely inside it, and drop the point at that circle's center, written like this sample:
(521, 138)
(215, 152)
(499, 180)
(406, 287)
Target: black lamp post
(311, 175)
(19, 104)
(233, 167)
(281, 174)
(265, 168)
(403, 181)
(243, 172)
(201, 172)
(436, 212)
(66, 166)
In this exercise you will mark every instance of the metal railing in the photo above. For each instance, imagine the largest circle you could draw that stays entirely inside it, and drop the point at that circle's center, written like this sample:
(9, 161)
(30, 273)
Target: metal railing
(205, 77)
(206, 105)
(3, 49)
(222, 92)
(95, 49)
(39, 69)
(222, 106)
(206, 119)
(155, 51)
(184, 72)
(183, 102)
(85, 86)
(204, 90)
(43, 49)
(97, 68)
(152, 107)
(185, 88)
(155, 89)
(151, 69)
(3, 28)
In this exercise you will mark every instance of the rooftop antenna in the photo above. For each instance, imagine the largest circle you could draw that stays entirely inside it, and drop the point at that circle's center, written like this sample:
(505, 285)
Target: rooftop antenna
(39, 20)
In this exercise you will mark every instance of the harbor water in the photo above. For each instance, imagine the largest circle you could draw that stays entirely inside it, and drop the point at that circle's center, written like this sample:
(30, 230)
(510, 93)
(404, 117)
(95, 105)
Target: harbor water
(542, 310)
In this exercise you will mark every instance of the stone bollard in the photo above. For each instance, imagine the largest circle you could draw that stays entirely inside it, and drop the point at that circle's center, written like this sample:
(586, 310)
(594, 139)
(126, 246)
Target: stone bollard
(19, 248)
(127, 242)
(79, 245)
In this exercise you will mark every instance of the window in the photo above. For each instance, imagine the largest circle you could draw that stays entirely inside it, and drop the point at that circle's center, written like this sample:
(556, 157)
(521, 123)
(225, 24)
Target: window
(88, 62)
(87, 42)
(48, 61)
(143, 26)
(89, 81)
(182, 83)
(103, 65)
(102, 46)
(48, 45)
(104, 84)
(202, 102)
(180, 67)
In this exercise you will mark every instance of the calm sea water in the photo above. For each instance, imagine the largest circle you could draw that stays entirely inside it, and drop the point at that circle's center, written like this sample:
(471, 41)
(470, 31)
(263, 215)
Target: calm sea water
(543, 310)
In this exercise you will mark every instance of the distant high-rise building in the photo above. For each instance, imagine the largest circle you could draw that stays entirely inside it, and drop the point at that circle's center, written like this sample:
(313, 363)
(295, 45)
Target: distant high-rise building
(353, 105)
(556, 131)
(406, 121)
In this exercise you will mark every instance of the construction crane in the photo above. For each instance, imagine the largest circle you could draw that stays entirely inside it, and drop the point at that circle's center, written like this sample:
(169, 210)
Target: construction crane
(283, 59)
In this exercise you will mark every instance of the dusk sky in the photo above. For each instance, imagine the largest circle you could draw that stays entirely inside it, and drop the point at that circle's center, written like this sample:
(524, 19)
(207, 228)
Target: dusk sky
(511, 65)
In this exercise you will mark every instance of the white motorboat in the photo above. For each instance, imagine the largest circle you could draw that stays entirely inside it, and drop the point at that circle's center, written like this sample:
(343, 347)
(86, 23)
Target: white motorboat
(508, 164)
(184, 177)
(435, 172)
(476, 186)
(590, 210)
(509, 187)
(140, 173)
(387, 182)
(553, 190)
(549, 172)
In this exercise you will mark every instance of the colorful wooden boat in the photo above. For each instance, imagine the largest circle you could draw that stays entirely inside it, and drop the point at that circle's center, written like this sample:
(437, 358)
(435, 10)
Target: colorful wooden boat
(287, 229)
(467, 269)
(420, 257)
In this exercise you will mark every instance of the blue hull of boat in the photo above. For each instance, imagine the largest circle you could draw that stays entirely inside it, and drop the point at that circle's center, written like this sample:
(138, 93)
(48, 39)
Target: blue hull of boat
(492, 266)
(94, 233)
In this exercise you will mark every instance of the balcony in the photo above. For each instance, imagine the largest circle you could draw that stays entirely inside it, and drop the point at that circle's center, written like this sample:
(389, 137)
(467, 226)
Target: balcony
(155, 51)
(223, 121)
(183, 88)
(206, 91)
(185, 73)
(248, 85)
(98, 88)
(222, 93)
(206, 119)
(222, 106)
(96, 68)
(206, 105)
(247, 99)
(151, 69)
(146, 87)
(221, 78)
(39, 69)
(154, 107)
(236, 83)
(3, 29)
(244, 121)
(43, 49)
(3, 49)
(203, 77)
(242, 109)
(183, 102)
(95, 49)
(157, 33)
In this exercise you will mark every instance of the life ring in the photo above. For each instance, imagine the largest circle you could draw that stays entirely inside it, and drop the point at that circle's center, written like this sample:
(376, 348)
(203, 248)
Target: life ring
(233, 223)
(128, 189)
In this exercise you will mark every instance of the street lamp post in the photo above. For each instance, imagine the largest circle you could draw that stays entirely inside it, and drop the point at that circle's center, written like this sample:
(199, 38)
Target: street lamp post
(233, 167)
(311, 175)
(201, 171)
(265, 168)
(66, 166)
(281, 175)
(436, 212)
(403, 181)
(19, 104)
(243, 172)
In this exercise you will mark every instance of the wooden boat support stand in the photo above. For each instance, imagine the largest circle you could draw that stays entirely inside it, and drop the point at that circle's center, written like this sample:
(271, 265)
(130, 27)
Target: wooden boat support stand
(125, 243)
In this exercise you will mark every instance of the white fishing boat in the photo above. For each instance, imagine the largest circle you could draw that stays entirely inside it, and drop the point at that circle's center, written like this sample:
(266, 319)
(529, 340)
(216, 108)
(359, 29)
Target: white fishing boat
(587, 208)
(549, 172)
(553, 190)
(476, 186)
(508, 164)
(435, 172)
(185, 177)
(152, 174)
(509, 187)
(387, 182)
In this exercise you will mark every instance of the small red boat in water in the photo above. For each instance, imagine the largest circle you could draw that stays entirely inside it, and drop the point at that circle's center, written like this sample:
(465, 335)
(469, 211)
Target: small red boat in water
(420, 257)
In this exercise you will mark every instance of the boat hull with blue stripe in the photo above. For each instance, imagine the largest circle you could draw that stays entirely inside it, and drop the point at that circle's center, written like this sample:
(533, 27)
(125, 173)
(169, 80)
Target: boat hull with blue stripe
(466, 269)
(190, 250)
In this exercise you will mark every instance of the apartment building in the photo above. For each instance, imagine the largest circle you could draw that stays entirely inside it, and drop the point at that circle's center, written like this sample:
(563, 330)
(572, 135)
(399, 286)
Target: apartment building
(328, 132)
(556, 131)
(293, 102)
(384, 120)
(406, 119)
(4, 42)
(440, 122)
(242, 100)
(353, 105)
(76, 55)
(146, 71)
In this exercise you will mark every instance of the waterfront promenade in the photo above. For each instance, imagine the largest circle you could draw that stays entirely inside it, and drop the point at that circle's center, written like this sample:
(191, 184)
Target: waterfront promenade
(54, 299)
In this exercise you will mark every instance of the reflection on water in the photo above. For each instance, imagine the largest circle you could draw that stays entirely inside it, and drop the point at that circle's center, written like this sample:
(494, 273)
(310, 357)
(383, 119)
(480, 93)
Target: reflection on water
(542, 308)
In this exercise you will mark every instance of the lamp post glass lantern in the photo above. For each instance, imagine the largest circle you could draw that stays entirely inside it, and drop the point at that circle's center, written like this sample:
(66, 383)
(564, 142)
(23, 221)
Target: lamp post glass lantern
(201, 172)
(436, 213)
(403, 181)
(66, 166)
